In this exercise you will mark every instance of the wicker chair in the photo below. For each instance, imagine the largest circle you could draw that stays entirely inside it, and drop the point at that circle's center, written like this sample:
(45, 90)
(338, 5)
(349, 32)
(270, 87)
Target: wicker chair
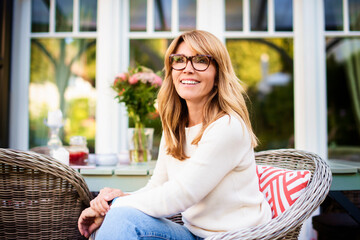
(40, 198)
(288, 224)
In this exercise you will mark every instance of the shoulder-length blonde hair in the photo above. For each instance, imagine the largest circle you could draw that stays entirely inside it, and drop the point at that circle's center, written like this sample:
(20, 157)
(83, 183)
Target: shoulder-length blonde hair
(227, 96)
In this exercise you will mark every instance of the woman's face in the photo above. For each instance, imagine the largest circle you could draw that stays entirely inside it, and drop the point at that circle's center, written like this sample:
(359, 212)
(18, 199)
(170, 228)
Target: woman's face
(191, 85)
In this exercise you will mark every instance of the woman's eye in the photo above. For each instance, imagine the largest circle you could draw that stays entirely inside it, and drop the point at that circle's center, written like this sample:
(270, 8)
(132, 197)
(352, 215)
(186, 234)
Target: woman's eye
(201, 60)
(179, 60)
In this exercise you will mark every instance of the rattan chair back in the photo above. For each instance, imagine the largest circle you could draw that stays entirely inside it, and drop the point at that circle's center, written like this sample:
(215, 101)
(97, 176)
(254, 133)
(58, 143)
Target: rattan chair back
(288, 224)
(40, 198)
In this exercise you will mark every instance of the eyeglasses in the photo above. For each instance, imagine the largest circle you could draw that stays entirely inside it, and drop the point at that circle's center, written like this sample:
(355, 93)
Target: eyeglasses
(198, 62)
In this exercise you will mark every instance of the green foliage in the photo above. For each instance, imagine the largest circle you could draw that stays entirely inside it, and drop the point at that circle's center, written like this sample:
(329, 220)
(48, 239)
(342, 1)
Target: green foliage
(273, 117)
(148, 52)
(272, 113)
(79, 122)
(246, 55)
(41, 68)
(57, 61)
(342, 127)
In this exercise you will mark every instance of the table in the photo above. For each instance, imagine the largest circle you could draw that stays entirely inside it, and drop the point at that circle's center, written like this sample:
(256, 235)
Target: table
(346, 177)
(128, 178)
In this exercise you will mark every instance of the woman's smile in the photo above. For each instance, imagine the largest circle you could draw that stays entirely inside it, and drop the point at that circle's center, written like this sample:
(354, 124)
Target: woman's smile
(190, 82)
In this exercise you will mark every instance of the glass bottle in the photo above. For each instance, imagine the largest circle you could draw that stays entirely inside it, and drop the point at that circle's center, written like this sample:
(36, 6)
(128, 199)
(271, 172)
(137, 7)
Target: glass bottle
(78, 151)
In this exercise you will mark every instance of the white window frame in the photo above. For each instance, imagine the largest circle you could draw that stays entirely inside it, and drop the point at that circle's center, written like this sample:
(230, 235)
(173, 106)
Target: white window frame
(20, 76)
(310, 79)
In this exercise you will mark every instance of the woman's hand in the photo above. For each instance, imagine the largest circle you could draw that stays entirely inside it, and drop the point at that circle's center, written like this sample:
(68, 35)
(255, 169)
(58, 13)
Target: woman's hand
(89, 221)
(100, 203)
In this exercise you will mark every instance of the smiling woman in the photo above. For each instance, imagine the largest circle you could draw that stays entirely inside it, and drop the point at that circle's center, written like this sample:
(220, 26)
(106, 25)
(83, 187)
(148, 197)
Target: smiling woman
(196, 106)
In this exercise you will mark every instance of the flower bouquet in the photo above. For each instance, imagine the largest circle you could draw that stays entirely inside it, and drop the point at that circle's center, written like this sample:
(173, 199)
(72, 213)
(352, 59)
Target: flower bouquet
(138, 89)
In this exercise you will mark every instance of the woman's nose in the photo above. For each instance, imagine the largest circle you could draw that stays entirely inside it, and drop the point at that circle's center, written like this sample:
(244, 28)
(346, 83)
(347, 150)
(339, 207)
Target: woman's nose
(188, 67)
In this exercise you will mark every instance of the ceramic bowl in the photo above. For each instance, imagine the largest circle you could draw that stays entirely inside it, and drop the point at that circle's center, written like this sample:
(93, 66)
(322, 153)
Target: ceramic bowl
(106, 159)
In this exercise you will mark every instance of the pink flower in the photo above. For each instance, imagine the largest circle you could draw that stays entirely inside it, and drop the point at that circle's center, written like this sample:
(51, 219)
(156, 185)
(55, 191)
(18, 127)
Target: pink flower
(120, 78)
(133, 79)
(157, 81)
(144, 77)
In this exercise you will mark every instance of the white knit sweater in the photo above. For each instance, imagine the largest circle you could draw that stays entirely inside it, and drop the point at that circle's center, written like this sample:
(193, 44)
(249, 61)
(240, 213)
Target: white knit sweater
(216, 189)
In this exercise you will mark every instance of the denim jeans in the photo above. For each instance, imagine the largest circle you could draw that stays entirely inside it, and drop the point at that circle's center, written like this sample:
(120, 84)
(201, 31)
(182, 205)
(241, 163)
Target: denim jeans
(129, 223)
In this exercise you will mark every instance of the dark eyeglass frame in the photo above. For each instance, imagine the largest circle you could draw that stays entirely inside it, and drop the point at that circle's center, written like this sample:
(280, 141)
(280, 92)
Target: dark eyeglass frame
(189, 58)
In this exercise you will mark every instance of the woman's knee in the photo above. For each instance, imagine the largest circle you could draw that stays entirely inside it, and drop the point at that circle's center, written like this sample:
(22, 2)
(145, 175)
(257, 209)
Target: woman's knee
(120, 222)
(122, 213)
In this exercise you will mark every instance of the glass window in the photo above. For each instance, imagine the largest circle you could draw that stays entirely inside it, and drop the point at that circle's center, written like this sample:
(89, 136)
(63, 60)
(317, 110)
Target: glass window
(258, 11)
(265, 66)
(283, 15)
(343, 103)
(234, 15)
(354, 14)
(150, 53)
(333, 15)
(163, 15)
(64, 15)
(62, 76)
(40, 15)
(138, 15)
(187, 15)
(88, 12)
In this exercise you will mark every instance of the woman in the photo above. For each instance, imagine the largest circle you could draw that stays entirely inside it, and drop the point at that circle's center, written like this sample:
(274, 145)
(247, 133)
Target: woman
(206, 167)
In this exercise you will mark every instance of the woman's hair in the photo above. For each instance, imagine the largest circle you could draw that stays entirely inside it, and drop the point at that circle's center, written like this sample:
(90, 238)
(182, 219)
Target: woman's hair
(227, 96)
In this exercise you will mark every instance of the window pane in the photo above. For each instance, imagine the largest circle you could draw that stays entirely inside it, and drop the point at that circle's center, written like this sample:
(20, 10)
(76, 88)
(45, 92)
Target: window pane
(283, 15)
(187, 15)
(258, 11)
(150, 53)
(234, 15)
(354, 13)
(333, 15)
(163, 15)
(62, 76)
(266, 68)
(88, 12)
(343, 81)
(64, 15)
(138, 15)
(40, 15)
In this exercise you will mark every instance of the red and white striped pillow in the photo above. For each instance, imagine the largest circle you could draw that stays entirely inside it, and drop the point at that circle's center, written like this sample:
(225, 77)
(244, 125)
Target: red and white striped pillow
(281, 187)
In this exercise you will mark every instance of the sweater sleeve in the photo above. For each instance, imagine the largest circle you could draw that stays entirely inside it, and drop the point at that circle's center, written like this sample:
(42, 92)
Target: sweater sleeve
(222, 147)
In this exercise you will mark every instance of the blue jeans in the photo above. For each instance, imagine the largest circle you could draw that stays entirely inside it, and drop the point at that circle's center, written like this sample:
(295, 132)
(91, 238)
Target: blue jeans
(129, 223)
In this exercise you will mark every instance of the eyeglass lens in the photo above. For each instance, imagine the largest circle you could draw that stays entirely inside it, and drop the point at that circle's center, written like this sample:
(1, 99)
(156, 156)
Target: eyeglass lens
(199, 62)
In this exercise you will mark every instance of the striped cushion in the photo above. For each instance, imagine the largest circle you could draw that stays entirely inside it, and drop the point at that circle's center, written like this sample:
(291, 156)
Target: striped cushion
(281, 187)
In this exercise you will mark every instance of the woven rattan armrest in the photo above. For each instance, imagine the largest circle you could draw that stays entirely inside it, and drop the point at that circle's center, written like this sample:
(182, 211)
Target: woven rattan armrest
(40, 198)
